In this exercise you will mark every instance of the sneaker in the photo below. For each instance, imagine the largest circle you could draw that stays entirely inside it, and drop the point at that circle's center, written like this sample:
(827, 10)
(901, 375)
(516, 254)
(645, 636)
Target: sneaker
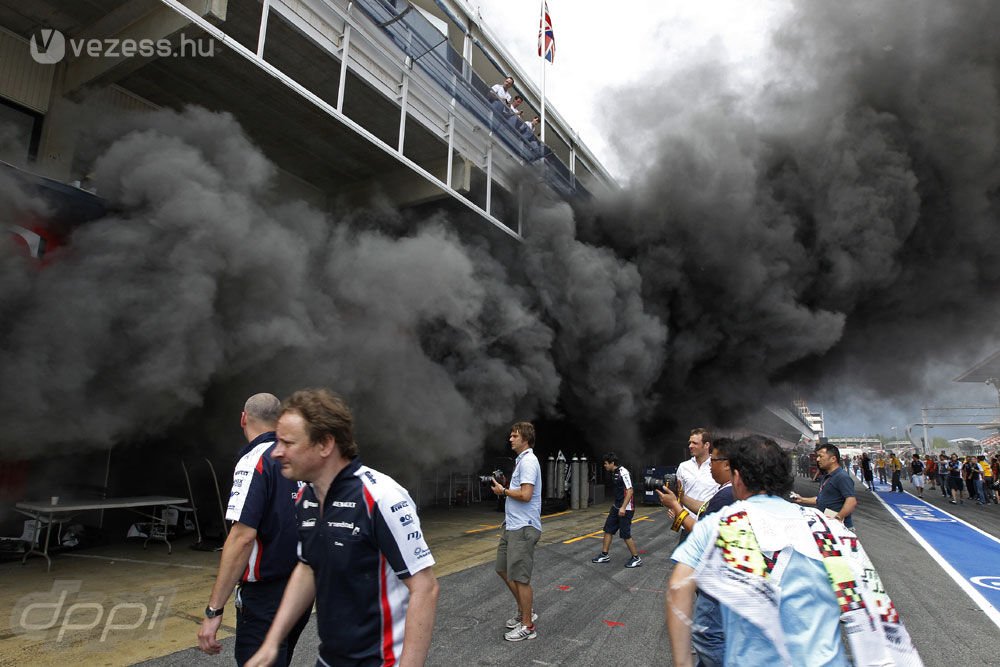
(521, 632)
(634, 561)
(515, 621)
(601, 558)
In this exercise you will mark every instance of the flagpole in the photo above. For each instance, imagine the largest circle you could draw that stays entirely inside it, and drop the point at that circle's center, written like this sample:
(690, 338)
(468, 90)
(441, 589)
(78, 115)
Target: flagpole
(541, 36)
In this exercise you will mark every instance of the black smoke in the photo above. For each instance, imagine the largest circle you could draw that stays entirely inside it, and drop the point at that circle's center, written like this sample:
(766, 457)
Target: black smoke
(832, 224)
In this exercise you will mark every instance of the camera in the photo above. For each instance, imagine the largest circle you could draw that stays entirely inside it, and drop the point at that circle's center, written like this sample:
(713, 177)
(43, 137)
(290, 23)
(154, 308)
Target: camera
(495, 475)
(669, 480)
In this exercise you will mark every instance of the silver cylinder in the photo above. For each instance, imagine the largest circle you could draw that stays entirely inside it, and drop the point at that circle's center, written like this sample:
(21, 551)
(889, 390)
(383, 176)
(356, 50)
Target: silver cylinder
(584, 489)
(550, 477)
(574, 484)
(560, 479)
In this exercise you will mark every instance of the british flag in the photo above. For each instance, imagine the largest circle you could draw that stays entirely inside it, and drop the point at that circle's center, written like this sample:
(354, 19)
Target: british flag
(546, 38)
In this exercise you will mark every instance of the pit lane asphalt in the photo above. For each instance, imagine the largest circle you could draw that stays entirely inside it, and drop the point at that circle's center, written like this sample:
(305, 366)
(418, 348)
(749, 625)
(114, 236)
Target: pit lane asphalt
(605, 614)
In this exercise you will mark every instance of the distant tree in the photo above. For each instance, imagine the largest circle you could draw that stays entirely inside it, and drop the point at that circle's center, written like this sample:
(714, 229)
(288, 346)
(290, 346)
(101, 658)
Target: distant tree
(939, 443)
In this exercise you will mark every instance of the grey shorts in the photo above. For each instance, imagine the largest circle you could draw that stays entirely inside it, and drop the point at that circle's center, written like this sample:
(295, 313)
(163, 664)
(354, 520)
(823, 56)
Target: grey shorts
(516, 553)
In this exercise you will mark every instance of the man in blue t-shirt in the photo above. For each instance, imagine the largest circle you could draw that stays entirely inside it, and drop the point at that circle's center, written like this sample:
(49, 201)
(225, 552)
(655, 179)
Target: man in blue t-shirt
(259, 553)
(522, 530)
(836, 488)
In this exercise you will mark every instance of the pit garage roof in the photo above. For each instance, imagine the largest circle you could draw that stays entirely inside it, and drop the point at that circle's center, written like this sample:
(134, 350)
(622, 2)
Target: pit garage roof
(987, 369)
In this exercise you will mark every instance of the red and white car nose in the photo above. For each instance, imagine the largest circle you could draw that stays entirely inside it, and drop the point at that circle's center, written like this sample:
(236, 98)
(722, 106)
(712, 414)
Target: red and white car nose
(32, 242)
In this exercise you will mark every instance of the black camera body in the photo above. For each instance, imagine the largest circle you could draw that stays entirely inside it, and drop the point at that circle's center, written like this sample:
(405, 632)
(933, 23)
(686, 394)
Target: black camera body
(669, 480)
(496, 475)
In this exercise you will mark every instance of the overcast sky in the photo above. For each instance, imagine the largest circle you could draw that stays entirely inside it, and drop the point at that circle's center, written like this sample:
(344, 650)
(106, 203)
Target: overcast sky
(599, 49)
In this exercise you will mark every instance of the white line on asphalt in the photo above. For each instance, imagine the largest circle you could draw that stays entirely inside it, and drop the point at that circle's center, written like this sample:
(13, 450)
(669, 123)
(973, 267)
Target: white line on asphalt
(134, 560)
(962, 582)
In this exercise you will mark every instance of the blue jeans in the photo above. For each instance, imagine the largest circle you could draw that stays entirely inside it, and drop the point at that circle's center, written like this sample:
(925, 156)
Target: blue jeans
(707, 637)
(980, 490)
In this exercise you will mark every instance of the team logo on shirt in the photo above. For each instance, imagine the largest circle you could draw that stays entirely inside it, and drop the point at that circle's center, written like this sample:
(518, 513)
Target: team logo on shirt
(343, 503)
(242, 472)
(308, 523)
(234, 494)
(237, 483)
(341, 524)
(415, 535)
(370, 476)
(406, 519)
(398, 506)
(420, 552)
(308, 503)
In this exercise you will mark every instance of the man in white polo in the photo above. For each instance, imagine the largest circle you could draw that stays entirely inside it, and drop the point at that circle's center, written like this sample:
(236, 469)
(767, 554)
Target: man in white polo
(695, 475)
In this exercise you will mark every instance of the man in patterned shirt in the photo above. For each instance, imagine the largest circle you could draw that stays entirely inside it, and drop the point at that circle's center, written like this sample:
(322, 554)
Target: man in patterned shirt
(620, 515)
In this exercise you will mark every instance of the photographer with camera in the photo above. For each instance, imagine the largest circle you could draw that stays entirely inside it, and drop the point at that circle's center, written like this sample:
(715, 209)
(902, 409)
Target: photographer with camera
(522, 530)
(707, 638)
(620, 516)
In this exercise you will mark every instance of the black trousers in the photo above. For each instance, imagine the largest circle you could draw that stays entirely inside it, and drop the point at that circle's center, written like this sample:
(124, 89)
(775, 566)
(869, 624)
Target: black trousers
(258, 604)
(896, 484)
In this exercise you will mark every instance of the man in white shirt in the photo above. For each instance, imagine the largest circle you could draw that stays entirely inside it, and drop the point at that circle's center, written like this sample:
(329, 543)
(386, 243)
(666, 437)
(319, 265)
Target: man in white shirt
(500, 90)
(695, 474)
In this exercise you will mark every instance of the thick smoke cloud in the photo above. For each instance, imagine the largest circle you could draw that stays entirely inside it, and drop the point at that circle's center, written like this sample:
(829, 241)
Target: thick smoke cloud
(198, 280)
(833, 223)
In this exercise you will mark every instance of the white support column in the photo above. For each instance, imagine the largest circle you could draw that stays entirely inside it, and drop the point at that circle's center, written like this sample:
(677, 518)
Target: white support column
(404, 95)
(451, 145)
(264, 14)
(520, 206)
(344, 50)
(489, 176)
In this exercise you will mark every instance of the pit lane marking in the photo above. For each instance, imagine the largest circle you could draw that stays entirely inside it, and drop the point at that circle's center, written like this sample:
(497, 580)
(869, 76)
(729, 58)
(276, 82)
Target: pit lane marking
(600, 533)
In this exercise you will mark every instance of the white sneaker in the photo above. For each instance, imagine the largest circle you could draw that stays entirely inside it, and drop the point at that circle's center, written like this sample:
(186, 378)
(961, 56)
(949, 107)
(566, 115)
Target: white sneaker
(515, 621)
(634, 561)
(520, 633)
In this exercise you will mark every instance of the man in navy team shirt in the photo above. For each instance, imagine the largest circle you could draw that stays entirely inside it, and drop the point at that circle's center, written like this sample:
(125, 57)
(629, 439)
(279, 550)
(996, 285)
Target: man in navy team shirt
(259, 553)
(836, 488)
(620, 516)
(362, 554)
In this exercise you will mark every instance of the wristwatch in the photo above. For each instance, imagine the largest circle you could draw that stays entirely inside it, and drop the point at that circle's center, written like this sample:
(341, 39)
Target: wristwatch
(212, 613)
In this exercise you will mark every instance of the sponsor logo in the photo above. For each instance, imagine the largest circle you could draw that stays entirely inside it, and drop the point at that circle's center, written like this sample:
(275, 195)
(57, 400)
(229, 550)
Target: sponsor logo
(234, 494)
(308, 503)
(357, 529)
(415, 535)
(340, 524)
(309, 523)
(370, 476)
(342, 503)
(406, 519)
(231, 507)
(337, 544)
(420, 552)
(237, 483)
(398, 506)
(241, 473)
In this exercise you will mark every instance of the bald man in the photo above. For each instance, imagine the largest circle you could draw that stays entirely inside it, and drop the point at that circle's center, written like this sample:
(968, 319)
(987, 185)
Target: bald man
(260, 552)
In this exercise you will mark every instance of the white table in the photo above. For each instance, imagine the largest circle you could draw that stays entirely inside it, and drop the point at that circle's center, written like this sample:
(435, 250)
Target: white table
(64, 509)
